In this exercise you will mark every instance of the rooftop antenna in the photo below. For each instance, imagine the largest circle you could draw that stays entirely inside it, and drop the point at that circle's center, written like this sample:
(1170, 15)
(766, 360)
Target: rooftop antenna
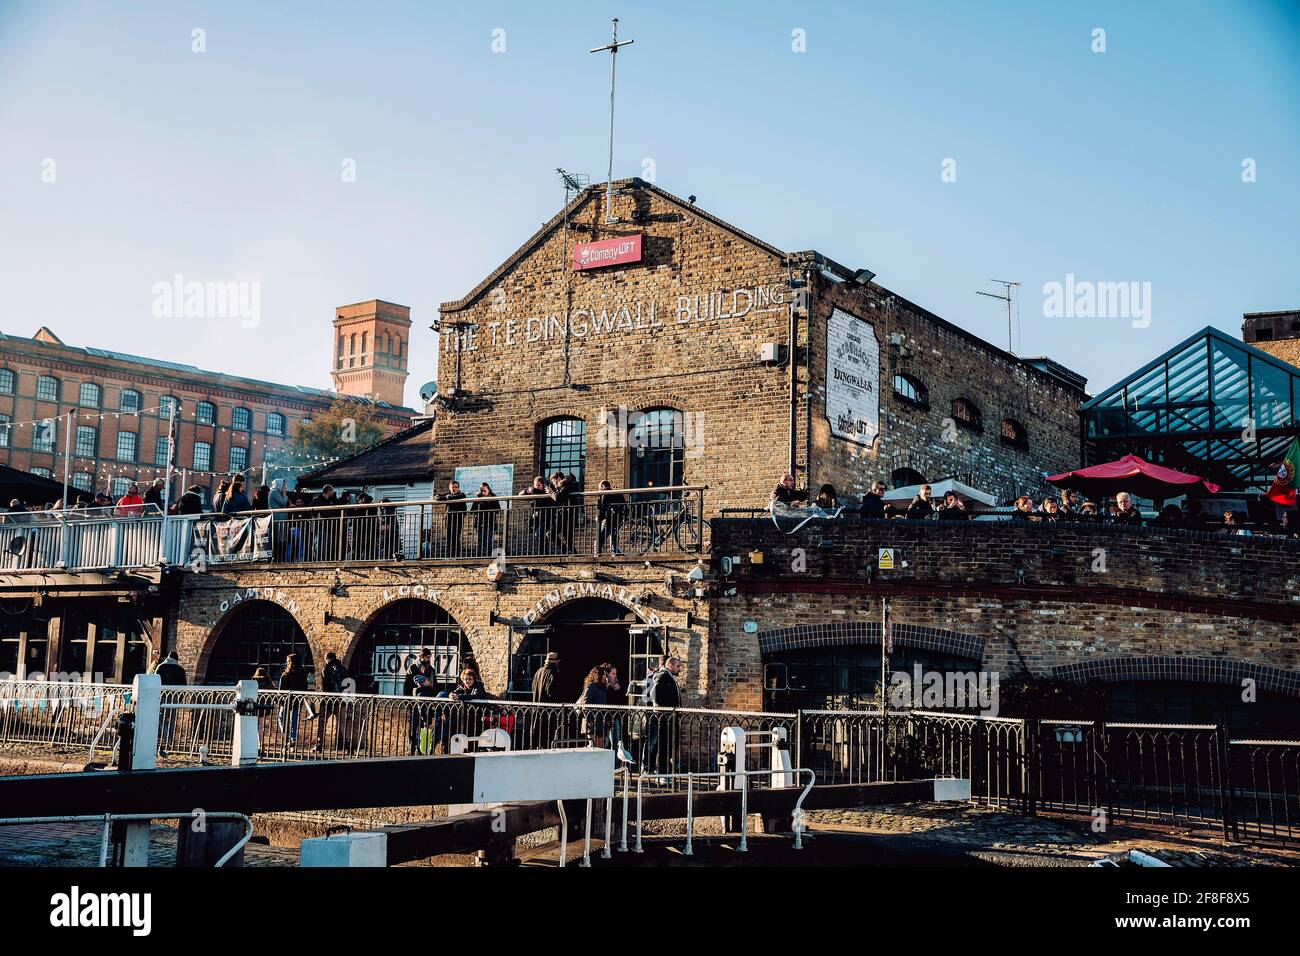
(1008, 296)
(612, 46)
(573, 185)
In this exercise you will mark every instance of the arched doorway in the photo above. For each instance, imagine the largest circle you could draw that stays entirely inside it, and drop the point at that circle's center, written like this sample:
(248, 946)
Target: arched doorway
(844, 676)
(257, 634)
(586, 633)
(393, 640)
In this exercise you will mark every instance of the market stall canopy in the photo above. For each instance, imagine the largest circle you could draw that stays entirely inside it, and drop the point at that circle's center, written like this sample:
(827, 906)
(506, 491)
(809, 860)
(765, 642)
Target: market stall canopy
(32, 489)
(1134, 475)
(972, 496)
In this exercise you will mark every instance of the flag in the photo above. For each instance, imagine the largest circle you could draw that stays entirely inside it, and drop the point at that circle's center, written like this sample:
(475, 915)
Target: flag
(1284, 485)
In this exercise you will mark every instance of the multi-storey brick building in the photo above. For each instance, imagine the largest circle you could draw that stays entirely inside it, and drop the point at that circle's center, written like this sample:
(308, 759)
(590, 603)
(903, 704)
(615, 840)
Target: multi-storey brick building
(667, 347)
(116, 408)
(1277, 333)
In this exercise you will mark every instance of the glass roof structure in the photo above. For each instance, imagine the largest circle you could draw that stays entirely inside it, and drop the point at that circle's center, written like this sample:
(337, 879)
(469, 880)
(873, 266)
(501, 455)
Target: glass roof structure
(1212, 406)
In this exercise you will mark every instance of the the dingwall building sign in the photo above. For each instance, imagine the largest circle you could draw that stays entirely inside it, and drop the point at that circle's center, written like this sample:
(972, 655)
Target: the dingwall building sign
(852, 378)
(597, 321)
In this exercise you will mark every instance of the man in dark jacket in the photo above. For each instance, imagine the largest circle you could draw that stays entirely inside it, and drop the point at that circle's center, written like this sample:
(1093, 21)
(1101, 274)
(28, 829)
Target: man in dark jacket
(873, 505)
(170, 674)
(333, 680)
(154, 496)
(454, 517)
(787, 494)
(664, 695)
(170, 671)
(191, 502)
(545, 690)
(333, 677)
(922, 506)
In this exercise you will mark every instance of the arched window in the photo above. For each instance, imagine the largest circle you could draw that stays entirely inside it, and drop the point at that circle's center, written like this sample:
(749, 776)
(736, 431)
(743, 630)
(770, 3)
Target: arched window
(130, 401)
(1014, 433)
(88, 395)
(966, 415)
(166, 404)
(562, 446)
(6, 382)
(275, 424)
(911, 390)
(205, 413)
(241, 419)
(902, 477)
(87, 441)
(656, 441)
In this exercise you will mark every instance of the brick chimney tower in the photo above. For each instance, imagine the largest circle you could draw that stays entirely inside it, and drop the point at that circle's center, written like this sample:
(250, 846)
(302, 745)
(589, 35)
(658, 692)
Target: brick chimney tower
(371, 343)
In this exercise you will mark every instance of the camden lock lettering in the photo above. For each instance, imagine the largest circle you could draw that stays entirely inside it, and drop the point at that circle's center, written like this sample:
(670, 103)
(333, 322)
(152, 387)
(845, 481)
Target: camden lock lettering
(639, 315)
(264, 594)
(571, 592)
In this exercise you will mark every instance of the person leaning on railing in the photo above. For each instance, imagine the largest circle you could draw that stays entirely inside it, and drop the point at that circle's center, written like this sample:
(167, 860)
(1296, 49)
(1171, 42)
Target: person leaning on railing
(1126, 512)
(611, 511)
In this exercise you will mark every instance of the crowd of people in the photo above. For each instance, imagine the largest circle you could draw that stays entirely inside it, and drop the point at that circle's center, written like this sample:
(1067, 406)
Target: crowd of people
(1067, 506)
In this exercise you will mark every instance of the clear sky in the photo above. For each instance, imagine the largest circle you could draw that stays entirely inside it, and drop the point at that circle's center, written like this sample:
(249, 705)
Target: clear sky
(1122, 165)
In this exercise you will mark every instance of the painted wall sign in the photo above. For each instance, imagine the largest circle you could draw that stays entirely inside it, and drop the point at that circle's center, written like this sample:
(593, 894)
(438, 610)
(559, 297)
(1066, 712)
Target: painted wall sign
(606, 252)
(600, 317)
(852, 378)
(389, 663)
(581, 589)
(500, 478)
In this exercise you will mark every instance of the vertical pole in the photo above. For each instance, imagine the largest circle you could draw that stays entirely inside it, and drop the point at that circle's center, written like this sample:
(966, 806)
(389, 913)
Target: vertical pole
(167, 487)
(609, 175)
(146, 694)
(67, 454)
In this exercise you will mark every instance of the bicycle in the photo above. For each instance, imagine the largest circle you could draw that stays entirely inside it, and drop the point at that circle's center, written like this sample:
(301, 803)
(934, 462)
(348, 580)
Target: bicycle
(650, 526)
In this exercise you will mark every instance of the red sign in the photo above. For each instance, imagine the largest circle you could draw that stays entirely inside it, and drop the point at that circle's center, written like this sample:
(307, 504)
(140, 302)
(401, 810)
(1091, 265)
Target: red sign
(607, 252)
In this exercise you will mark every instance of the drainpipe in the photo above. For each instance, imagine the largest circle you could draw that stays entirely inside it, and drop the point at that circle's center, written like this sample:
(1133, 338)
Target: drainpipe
(791, 351)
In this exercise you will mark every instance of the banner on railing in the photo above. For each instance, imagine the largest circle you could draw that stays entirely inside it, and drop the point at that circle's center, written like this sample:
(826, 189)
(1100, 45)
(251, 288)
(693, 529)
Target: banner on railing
(235, 539)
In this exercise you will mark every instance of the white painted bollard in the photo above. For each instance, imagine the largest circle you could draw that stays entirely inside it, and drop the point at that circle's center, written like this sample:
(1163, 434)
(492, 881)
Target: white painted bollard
(146, 695)
(360, 848)
(245, 749)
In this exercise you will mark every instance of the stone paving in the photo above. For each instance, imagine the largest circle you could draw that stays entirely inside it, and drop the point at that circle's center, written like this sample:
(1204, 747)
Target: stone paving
(78, 844)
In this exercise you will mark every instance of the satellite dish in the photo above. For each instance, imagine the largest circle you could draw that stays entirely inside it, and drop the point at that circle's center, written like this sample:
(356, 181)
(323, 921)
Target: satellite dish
(428, 390)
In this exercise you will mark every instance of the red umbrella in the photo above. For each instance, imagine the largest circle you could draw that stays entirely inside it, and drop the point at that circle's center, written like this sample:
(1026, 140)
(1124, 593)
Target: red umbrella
(1134, 475)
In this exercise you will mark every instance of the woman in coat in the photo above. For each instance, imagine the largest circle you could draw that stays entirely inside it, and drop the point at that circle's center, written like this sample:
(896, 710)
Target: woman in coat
(594, 695)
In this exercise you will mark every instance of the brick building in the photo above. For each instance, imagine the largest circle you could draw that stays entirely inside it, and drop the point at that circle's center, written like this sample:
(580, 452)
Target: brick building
(745, 359)
(1277, 333)
(119, 405)
(670, 348)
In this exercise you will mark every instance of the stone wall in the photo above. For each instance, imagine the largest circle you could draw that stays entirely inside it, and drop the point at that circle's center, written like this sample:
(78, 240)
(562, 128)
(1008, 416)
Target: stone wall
(1050, 600)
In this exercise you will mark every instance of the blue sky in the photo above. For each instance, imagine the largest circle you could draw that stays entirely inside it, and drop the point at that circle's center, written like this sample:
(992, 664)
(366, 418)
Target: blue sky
(1117, 166)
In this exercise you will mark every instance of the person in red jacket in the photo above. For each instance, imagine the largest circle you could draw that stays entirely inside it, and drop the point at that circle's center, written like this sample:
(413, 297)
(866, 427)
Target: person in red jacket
(130, 505)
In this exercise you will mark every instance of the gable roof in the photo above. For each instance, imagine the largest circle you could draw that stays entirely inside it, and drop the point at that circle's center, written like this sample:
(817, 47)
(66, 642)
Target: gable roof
(596, 191)
(1042, 367)
(400, 458)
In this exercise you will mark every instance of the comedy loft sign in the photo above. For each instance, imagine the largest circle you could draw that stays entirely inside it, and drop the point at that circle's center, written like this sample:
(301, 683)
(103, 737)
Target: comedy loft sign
(642, 314)
(852, 378)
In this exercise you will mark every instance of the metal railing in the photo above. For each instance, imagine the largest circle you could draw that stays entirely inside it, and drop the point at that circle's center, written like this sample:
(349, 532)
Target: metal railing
(632, 522)
(1182, 773)
(61, 714)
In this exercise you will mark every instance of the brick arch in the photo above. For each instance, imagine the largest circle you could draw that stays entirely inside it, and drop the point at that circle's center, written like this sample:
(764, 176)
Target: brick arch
(659, 399)
(917, 636)
(1199, 670)
(371, 609)
(217, 630)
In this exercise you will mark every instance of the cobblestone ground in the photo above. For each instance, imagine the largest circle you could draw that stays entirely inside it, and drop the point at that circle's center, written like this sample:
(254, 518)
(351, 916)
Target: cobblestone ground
(78, 844)
(1044, 840)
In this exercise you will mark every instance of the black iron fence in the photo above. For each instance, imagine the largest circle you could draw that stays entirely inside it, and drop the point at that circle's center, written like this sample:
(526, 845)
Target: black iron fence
(1181, 773)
